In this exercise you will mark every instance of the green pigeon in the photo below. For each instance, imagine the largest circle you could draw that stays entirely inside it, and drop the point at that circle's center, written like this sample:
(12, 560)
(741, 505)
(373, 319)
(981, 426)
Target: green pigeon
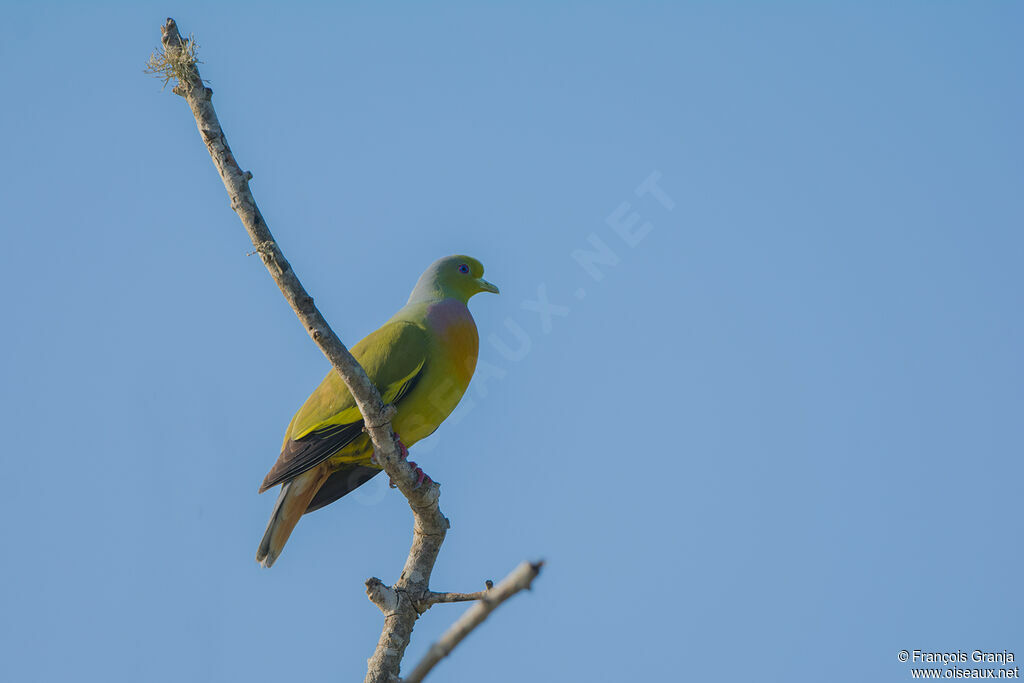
(421, 361)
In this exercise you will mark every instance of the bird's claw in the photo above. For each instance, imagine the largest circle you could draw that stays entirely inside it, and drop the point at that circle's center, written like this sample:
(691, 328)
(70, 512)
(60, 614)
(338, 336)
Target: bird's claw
(403, 452)
(421, 477)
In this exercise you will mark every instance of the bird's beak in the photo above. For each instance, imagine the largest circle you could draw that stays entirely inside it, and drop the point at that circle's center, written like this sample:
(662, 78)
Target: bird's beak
(486, 286)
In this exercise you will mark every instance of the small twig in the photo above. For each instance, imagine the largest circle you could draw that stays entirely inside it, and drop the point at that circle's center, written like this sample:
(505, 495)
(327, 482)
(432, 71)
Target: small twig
(520, 579)
(432, 598)
(435, 598)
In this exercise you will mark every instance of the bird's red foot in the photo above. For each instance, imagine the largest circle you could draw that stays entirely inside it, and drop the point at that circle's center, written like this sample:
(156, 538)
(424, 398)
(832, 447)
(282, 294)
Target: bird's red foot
(421, 477)
(402, 450)
(403, 453)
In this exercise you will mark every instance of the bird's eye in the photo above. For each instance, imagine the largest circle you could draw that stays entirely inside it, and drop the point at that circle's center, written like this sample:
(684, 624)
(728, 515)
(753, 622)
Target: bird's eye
(463, 268)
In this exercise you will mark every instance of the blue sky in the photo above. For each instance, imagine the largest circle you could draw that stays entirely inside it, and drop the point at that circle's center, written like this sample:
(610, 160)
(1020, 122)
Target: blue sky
(778, 440)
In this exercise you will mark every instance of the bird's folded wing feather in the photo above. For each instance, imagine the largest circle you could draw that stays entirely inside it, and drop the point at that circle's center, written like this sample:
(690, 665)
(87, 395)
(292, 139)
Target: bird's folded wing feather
(394, 357)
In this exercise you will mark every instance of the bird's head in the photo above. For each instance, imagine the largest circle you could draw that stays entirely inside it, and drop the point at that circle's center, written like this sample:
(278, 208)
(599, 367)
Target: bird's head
(453, 277)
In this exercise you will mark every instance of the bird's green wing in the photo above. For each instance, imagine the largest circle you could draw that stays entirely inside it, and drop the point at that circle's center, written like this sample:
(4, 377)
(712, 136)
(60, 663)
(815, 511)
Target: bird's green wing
(394, 357)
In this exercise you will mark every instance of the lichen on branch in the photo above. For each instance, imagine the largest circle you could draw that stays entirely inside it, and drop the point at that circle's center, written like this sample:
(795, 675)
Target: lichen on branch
(176, 63)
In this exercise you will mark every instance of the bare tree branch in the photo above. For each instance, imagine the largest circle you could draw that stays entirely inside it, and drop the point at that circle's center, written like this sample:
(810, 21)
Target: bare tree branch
(520, 579)
(410, 596)
(179, 58)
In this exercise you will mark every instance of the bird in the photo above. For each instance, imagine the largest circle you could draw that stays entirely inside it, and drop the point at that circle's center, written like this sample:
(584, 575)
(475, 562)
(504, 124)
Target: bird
(421, 361)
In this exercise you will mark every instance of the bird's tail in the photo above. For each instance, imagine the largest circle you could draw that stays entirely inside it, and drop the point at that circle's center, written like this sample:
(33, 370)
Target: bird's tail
(291, 504)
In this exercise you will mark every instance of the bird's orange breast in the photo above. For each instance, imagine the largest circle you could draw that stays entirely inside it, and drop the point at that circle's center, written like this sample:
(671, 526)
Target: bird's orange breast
(457, 338)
